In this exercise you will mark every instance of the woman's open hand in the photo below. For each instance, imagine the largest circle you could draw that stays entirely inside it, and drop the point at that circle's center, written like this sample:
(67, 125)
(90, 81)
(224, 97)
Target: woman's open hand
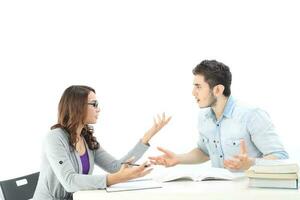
(159, 123)
(128, 172)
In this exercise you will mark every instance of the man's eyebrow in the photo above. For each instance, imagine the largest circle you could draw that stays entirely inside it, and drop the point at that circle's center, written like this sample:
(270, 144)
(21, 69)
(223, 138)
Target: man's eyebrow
(196, 84)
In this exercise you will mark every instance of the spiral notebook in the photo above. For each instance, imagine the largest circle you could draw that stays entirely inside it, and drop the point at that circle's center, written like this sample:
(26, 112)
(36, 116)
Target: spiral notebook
(135, 184)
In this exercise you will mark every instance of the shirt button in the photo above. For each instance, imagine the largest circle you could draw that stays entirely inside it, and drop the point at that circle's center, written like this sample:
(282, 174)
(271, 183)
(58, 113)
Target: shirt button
(221, 156)
(218, 124)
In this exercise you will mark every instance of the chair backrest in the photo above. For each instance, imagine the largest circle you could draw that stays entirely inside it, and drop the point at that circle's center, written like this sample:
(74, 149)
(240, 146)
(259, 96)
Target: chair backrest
(21, 188)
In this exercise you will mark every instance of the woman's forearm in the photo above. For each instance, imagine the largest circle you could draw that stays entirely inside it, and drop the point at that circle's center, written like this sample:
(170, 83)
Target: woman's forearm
(114, 179)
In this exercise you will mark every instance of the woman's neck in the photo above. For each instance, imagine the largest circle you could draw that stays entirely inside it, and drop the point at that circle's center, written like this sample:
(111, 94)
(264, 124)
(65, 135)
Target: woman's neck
(78, 131)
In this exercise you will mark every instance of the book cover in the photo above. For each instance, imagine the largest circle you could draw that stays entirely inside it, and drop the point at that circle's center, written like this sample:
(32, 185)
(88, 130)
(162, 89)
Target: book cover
(253, 174)
(275, 166)
(273, 183)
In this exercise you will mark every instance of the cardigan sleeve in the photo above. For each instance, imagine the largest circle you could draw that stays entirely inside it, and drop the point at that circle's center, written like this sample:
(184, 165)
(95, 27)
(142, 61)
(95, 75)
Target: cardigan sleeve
(56, 151)
(111, 164)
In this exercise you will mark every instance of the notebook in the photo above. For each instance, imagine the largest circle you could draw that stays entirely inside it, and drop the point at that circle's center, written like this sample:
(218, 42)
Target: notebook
(194, 173)
(135, 184)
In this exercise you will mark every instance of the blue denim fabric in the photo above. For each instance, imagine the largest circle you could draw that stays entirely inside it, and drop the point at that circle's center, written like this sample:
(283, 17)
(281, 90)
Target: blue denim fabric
(220, 139)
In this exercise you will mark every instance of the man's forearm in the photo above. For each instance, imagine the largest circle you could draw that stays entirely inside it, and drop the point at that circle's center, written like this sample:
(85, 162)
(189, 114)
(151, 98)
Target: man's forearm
(193, 157)
(267, 157)
(270, 157)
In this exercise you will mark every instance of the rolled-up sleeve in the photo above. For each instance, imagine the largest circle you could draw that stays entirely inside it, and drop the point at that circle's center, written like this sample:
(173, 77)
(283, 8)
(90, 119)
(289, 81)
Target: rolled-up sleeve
(263, 134)
(201, 139)
(201, 145)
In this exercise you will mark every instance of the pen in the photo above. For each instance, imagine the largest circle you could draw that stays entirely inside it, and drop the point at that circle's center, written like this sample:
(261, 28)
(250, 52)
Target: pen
(133, 164)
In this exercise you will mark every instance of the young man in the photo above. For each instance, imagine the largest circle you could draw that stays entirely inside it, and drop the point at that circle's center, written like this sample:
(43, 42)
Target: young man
(230, 135)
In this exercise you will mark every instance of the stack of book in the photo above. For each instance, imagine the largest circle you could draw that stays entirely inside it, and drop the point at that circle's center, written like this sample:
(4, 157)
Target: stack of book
(274, 174)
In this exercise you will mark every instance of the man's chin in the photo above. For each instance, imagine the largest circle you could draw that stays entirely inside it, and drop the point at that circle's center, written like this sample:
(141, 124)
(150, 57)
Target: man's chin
(203, 106)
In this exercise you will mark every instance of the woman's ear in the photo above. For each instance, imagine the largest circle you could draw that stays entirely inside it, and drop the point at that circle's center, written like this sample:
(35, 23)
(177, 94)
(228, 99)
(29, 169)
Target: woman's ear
(218, 90)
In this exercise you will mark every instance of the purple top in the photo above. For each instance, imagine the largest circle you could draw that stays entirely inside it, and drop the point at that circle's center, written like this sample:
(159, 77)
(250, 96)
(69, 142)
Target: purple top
(85, 163)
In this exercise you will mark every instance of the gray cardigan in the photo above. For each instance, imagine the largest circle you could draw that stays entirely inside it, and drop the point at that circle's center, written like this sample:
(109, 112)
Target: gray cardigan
(61, 169)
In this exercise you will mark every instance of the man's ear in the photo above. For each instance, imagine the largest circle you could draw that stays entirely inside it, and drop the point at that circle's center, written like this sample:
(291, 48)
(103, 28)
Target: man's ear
(218, 90)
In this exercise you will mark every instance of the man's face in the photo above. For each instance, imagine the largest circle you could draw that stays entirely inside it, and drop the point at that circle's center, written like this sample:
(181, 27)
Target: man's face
(202, 92)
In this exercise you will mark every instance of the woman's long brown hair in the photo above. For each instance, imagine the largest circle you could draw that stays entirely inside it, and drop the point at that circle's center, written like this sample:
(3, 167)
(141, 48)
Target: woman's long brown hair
(72, 110)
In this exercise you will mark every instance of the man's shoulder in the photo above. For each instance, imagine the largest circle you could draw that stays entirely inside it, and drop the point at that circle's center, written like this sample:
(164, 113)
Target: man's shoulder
(242, 110)
(244, 107)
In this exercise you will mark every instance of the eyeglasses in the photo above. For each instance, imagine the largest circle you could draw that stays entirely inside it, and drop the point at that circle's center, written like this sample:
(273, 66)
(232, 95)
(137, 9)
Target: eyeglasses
(94, 104)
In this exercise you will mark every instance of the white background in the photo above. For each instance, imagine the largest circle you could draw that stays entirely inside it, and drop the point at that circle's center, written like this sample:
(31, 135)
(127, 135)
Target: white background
(139, 55)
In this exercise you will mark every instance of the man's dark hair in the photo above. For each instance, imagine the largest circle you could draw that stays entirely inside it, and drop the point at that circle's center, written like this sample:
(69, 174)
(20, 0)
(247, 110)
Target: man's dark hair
(215, 73)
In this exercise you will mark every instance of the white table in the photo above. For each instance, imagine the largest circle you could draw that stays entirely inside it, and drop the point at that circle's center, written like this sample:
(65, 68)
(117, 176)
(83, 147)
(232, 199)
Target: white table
(189, 190)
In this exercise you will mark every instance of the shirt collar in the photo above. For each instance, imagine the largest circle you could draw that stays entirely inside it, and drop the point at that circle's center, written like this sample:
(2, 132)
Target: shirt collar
(227, 110)
(229, 107)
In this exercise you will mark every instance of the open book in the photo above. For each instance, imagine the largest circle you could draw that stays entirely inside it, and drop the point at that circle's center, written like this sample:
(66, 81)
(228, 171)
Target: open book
(195, 173)
(135, 184)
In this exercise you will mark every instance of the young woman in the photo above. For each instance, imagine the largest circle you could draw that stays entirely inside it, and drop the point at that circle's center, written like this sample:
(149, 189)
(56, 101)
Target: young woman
(70, 150)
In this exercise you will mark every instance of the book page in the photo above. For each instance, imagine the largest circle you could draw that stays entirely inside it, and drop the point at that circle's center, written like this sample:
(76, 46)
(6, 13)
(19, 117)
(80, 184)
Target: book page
(218, 174)
(193, 172)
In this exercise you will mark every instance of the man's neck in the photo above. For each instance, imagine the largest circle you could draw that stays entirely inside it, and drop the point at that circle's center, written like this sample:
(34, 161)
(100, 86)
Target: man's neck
(220, 106)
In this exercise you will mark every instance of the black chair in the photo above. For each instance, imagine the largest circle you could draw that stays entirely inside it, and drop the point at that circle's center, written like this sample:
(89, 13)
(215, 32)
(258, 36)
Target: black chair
(21, 188)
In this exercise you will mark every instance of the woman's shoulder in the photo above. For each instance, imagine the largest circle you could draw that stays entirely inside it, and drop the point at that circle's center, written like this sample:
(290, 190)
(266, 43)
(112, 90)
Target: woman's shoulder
(57, 134)
(56, 141)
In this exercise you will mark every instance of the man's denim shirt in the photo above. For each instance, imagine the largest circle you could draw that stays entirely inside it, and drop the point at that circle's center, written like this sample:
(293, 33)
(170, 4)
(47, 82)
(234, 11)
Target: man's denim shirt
(221, 139)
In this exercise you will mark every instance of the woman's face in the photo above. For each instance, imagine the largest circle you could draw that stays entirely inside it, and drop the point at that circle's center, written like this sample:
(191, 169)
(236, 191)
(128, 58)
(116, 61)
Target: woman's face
(92, 109)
